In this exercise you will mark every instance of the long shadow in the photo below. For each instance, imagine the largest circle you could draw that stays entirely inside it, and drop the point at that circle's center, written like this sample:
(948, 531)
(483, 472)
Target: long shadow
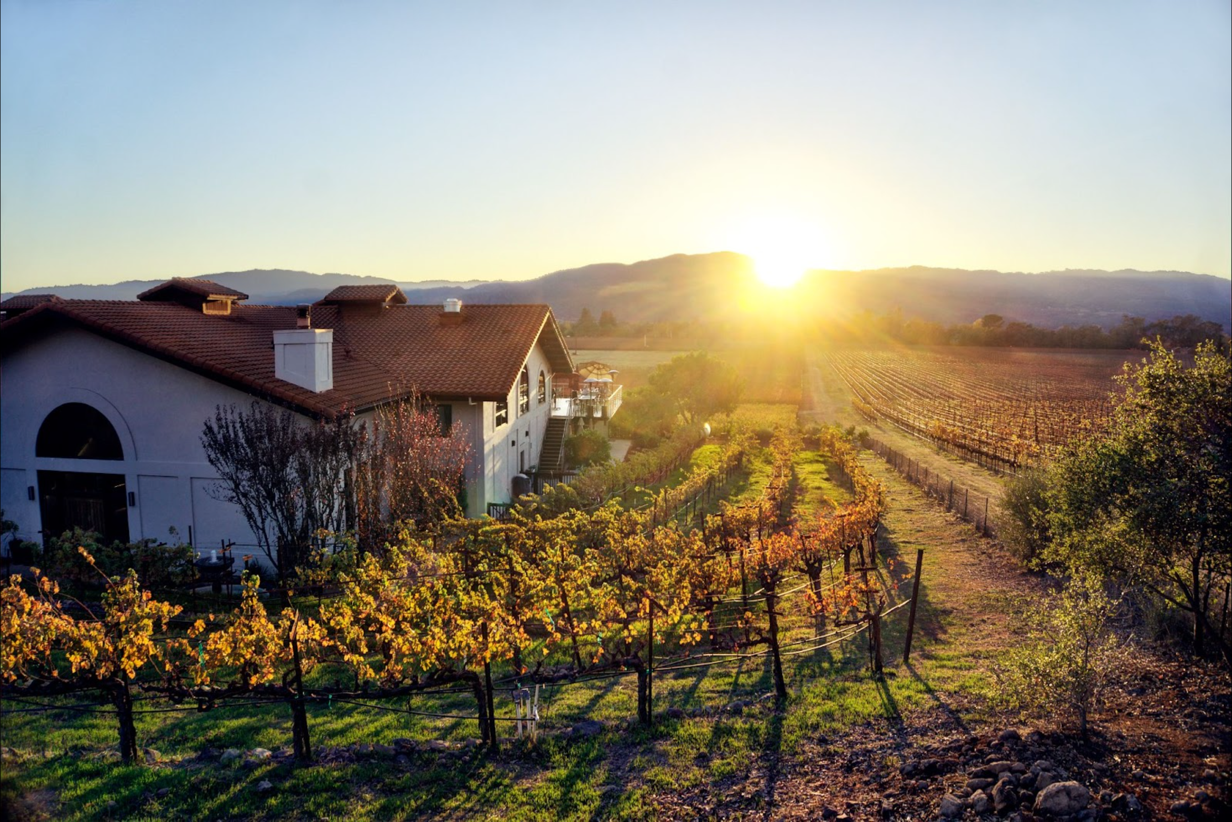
(772, 755)
(935, 697)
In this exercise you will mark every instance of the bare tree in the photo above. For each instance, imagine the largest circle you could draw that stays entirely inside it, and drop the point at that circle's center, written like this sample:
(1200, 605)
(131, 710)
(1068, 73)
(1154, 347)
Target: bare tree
(285, 473)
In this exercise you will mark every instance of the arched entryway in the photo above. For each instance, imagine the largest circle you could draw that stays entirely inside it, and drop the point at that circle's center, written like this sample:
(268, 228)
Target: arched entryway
(91, 500)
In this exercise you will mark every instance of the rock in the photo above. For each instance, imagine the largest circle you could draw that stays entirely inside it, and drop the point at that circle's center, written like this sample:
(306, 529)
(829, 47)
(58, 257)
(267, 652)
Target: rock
(1139, 774)
(1009, 735)
(980, 803)
(828, 813)
(1027, 780)
(907, 769)
(735, 707)
(1034, 737)
(992, 770)
(930, 767)
(384, 750)
(437, 745)
(586, 729)
(1062, 799)
(1018, 768)
(230, 755)
(1181, 808)
(1044, 779)
(951, 806)
(1004, 797)
(1210, 775)
(887, 808)
(675, 713)
(265, 786)
(1132, 805)
(260, 754)
(980, 784)
(151, 755)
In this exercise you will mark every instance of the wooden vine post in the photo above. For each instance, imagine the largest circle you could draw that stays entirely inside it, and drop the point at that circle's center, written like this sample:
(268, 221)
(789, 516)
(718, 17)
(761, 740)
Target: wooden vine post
(915, 598)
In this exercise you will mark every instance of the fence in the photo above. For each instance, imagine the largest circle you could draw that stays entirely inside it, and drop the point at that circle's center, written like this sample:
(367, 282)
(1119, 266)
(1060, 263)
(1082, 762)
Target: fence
(976, 509)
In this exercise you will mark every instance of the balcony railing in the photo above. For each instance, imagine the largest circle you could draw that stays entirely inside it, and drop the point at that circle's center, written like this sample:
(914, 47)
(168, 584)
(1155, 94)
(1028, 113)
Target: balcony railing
(599, 402)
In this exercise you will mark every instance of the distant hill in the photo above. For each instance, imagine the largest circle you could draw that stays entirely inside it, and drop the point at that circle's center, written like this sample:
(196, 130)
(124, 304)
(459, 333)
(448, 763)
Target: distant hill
(707, 287)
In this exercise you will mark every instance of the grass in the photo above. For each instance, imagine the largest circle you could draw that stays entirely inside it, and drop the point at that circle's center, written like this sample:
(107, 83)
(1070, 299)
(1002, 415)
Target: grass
(62, 774)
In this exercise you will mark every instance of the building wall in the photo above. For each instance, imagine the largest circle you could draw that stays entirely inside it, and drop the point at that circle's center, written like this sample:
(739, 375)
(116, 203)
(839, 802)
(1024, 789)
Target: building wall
(159, 410)
(517, 443)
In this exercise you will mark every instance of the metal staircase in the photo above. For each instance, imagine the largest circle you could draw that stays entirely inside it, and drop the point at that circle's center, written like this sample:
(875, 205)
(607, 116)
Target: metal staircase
(552, 455)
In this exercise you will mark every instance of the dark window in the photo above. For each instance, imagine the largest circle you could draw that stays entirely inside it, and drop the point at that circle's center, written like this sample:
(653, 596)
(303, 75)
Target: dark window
(444, 415)
(543, 388)
(502, 413)
(77, 431)
(94, 502)
(524, 392)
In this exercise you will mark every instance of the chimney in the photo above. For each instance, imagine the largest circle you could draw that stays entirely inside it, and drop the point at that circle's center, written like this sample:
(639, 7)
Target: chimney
(305, 357)
(303, 316)
(452, 315)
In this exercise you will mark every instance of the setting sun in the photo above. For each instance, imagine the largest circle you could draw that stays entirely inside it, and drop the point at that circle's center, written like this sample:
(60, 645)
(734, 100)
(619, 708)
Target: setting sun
(783, 250)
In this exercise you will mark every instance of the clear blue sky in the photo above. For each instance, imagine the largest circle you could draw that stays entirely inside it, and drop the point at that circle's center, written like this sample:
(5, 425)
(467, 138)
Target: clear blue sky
(506, 140)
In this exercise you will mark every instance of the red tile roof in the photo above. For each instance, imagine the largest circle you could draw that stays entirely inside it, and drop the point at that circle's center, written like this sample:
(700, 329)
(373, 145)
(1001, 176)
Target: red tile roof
(366, 294)
(377, 357)
(199, 288)
(21, 302)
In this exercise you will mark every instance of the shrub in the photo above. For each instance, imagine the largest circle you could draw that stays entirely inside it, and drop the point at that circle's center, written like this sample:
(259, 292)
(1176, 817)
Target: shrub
(1069, 654)
(157, 564)
(587, 448)
(1025, 527)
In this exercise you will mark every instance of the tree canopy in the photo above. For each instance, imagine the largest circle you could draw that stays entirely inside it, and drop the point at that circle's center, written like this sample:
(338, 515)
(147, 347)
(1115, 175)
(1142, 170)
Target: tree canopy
(700, 385)
(1149, 500)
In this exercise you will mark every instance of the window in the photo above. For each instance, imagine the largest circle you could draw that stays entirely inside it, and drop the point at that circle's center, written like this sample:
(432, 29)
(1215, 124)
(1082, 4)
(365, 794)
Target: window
(77, 431)
(444, 415)
(502, 413)
(524, 391)
(543, 388)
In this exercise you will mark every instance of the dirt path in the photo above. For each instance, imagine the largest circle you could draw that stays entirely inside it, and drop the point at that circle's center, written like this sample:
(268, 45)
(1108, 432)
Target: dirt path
(829, 401)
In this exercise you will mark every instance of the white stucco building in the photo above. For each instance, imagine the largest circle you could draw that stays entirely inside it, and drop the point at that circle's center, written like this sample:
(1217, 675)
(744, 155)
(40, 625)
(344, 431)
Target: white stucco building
(102, 403)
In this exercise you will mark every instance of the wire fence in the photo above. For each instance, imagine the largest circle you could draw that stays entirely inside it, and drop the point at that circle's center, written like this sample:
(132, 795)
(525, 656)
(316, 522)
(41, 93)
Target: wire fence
(977, 509)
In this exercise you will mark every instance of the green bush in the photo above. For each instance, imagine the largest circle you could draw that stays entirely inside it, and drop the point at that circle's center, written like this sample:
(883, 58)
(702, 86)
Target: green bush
(157, 564)
(587, 448)
(1068, 656)
(1025, 529)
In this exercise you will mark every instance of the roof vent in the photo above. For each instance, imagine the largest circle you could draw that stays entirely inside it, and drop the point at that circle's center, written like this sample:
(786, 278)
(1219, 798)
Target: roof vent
(453, 306)
(303, 316)
(305, 357)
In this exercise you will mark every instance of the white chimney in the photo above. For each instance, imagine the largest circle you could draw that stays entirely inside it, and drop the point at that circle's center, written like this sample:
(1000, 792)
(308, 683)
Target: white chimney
(305, 357)
(453, 306)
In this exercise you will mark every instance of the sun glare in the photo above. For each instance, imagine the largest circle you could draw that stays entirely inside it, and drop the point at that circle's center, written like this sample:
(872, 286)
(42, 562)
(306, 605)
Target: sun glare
(783, 250)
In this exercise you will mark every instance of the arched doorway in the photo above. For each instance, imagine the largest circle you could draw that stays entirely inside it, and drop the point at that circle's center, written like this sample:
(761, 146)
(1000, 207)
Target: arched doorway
(91, 500)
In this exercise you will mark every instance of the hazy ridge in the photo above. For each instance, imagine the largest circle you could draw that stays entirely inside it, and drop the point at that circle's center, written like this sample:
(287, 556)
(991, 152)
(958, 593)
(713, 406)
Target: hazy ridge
(703, 287)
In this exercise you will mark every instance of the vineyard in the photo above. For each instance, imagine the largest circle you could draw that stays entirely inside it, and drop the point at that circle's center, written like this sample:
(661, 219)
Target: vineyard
(499, 630)
(1002, 409)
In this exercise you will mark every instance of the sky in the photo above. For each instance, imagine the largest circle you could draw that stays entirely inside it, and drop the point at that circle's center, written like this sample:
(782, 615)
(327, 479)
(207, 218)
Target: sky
(415, 141)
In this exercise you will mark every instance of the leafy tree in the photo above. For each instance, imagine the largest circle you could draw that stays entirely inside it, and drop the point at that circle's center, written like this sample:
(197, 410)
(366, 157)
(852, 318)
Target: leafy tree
(1025, 527)
(586, 323)
(699, 385)
(1149, 501)
(607, 320)
(587, 448)
(1069, 654)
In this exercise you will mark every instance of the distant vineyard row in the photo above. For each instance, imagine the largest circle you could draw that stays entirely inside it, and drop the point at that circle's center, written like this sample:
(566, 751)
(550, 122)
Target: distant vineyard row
(1005, 410)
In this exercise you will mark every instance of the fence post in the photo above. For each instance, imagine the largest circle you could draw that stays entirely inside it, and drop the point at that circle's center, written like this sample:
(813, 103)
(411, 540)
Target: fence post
(915, 597)
(949, 502)
(985, 516)
(966, 494)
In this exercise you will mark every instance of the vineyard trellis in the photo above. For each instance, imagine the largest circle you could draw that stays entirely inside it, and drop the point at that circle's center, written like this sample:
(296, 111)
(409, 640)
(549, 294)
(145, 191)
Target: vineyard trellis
(977, 509)
(1005, 416)
(569, 598)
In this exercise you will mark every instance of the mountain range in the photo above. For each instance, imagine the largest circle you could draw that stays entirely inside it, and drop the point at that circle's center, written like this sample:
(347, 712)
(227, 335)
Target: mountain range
(708, 287)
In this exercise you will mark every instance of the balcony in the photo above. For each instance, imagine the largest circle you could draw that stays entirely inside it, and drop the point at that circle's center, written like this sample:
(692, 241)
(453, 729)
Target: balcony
(598, 399)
